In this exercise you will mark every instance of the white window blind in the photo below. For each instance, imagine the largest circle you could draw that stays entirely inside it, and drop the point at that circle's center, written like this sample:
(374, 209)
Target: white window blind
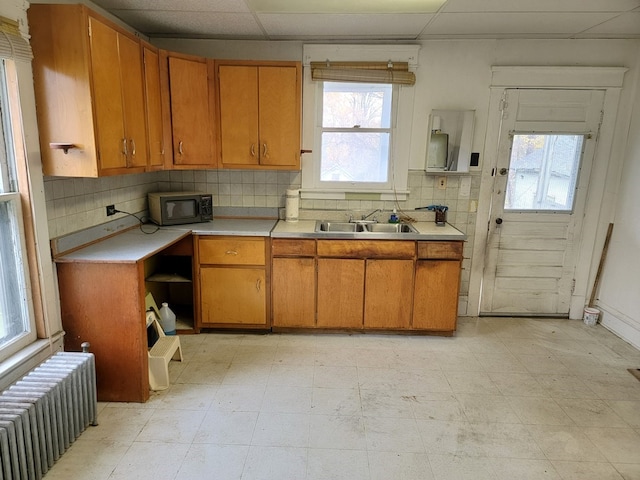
(12, 44)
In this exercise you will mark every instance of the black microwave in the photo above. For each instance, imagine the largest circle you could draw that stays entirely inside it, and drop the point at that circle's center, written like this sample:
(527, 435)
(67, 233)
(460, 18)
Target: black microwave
(175, 208)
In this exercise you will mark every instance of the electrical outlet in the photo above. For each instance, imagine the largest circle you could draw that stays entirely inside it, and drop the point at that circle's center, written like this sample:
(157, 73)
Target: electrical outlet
(442, 183)
(111, 210)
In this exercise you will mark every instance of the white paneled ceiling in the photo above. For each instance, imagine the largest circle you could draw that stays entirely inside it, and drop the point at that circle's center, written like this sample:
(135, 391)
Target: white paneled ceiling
(357, 20)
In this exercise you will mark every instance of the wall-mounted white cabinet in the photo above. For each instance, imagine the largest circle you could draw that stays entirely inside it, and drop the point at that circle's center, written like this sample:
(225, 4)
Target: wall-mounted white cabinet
(449, 139)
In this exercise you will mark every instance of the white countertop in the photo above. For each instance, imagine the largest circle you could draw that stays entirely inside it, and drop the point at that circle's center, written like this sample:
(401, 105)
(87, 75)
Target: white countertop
(127, 247)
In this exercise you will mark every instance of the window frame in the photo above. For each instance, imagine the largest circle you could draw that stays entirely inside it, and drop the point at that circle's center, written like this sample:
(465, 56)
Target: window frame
(400, 144)
(320, 129)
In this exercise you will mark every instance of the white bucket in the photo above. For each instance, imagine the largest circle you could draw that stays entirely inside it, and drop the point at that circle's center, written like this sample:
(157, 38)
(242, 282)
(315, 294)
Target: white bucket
(591, 316)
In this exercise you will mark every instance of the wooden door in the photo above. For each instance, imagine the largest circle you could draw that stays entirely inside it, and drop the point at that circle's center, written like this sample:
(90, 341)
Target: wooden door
(388, 290)
(340, 293)
(293, 290)
(435, 295)
(279, 116)
(153, 104)
(107, 96)
(133, 101)
(546, 148)
(238, 86)
(191, 117)
(230, 295)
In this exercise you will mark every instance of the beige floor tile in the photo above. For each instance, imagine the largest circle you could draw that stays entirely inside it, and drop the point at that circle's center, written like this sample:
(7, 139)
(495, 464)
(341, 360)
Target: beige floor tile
(487, 409)
(329, 464)
(336, 401)
(618, 445)
(586, 471)
(213, 461)
(393, 435)
(275, 463)
(512, 468)
(562, 442)
(227, 428)
(338, 432)
(471, 382)
(172, 426)
(326, 376)
(151, 461)
(282, 430)
(405, 466)
(591, 413)
(539, 411)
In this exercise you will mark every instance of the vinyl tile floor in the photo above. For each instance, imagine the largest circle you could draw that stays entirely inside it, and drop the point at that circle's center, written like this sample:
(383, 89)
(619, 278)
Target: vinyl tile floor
(503, 399)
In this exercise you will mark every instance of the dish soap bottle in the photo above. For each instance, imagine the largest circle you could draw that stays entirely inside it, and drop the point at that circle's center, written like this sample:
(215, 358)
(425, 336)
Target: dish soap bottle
(394, 217)
(167, 319)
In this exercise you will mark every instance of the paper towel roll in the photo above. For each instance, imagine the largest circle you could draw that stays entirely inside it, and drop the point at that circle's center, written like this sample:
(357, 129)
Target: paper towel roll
(292, 205)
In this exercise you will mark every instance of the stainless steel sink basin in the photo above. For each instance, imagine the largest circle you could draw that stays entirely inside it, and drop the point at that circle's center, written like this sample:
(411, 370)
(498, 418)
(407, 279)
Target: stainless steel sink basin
(365, 228)
(339, 227)
(390, 228)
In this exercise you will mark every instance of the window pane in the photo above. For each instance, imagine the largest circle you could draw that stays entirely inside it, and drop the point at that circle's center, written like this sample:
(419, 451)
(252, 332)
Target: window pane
(13, 315)
(347, 105)
(543, 172)
(355, 157)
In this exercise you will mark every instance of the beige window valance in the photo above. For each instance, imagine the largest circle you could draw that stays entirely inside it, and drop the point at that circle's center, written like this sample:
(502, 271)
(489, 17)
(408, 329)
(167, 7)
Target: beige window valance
(363, 72)
(12, 44)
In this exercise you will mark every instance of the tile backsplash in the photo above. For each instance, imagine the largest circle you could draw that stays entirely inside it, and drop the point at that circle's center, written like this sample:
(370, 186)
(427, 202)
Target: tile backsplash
(78, 203)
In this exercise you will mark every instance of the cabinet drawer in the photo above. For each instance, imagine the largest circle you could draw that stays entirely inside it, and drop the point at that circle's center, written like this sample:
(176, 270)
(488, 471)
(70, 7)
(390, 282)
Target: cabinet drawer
(444, 250)
(232, 251)
(366, 248)
(293, 248)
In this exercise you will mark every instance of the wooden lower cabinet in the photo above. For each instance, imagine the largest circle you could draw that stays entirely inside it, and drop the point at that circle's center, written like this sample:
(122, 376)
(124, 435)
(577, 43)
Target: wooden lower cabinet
(233, 295)
(340, 293)
(388, 291)
(233, 282)
(435, 295)
(293, 290)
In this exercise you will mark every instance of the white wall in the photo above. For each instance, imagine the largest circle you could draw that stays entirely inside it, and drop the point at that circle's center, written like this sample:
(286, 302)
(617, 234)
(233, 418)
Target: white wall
(618, 297)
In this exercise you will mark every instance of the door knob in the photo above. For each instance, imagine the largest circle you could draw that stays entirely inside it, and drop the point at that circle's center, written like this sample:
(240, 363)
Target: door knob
(499, 221)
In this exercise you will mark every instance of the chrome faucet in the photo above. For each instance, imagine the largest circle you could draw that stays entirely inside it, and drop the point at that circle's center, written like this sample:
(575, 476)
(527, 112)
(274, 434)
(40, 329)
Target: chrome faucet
(364, 217)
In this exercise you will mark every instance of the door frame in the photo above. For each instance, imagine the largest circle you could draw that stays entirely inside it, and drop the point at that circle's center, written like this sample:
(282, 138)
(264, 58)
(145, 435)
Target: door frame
(598, 208)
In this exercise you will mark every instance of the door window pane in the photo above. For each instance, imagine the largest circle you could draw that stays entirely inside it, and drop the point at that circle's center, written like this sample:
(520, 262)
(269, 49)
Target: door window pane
(543, 172)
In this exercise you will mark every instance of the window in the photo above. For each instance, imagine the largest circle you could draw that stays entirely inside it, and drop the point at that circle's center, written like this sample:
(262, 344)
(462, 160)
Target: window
(355, 133)
(16, 319)
(543, 172)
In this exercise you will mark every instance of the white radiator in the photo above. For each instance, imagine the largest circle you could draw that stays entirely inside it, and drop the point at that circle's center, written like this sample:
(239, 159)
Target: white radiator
(44, 412)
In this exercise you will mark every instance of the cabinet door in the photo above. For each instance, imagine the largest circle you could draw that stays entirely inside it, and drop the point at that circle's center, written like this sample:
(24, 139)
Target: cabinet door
(279, 116)
(435, 299)
(388, 292)
(191, 118)
(133, 101)
(233, 296)
(340, 293)
(238, 86)
(107, 96)
(153, 104)
(293, 292)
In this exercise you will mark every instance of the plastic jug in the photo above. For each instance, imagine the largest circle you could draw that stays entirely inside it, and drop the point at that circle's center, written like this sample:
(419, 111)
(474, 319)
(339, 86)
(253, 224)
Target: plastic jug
(167, 319)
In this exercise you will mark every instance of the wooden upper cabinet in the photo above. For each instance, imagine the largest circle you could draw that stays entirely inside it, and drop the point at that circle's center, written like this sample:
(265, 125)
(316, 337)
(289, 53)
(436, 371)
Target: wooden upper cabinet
(190, 101)
(259, 114)
(153, 107)
(89, 93)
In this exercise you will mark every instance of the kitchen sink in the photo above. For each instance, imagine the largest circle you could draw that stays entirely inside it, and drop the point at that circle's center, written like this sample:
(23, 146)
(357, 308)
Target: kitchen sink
(365, 228)
(339, 227)
(390, 228)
